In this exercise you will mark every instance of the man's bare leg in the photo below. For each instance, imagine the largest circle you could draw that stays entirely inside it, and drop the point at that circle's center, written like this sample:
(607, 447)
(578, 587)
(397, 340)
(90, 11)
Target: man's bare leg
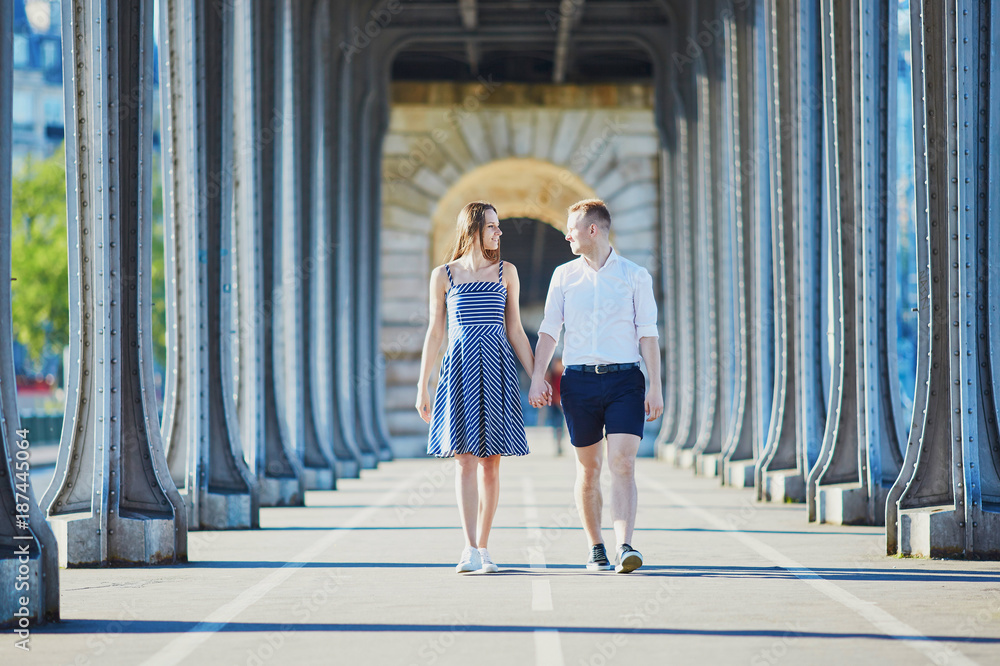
(622, 450)
(589, 502)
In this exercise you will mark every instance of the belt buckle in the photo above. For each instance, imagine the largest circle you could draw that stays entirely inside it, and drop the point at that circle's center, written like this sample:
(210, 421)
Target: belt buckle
(597, 369)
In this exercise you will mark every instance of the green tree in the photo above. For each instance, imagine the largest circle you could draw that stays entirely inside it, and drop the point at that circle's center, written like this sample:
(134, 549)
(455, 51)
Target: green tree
(39, 256)
(40, 259)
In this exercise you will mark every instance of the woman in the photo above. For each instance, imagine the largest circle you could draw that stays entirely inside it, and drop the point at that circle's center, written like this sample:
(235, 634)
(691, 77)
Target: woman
(477, 411)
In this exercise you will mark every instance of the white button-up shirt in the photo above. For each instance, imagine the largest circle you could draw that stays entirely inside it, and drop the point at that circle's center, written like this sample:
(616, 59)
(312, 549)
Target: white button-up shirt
(605, 311)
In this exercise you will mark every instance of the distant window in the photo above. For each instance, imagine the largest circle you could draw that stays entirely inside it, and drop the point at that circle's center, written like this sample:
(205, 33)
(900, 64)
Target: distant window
(22, 52)
(51, 58)
(23, 111)
(53, 110)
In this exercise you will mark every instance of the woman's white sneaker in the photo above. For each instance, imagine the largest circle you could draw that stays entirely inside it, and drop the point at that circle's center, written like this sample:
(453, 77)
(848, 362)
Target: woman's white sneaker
(488, 565)
(471, 561)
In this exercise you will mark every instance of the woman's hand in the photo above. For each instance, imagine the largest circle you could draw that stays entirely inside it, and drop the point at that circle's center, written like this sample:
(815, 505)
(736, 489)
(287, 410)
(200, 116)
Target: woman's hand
(424, 404)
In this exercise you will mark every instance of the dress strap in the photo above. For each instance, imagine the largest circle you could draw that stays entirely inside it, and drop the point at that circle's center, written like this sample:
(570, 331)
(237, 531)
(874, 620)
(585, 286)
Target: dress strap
(448, 270)
(501, 271)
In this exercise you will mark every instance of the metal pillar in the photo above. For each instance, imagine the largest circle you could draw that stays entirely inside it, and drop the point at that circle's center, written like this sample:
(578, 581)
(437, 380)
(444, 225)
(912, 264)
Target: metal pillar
(204, 452)
(336, 430)
(346, 258)
(29, 563)
(111, 500)
(779, 475)
(708, 438)
(811, 297)
(742, 451)
(860, 457)
(317, 452)
(946, 500)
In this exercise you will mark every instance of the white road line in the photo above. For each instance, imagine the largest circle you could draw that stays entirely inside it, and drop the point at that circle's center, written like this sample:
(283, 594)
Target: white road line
(881, 619)
(548, 645)
(541, 595)
(548, 648)
(178, 650)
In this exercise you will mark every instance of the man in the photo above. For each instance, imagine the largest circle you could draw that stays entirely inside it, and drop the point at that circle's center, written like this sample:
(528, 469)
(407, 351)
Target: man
(606, 304)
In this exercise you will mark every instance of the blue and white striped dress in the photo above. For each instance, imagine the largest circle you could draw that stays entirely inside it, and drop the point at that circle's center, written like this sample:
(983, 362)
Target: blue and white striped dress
(477, 408)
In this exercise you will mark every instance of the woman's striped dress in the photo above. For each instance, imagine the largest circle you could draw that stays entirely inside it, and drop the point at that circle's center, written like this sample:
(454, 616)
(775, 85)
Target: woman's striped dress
(477, 408)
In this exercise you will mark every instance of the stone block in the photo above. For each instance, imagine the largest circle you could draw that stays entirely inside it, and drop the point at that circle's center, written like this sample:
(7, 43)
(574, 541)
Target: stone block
(409, 447)
(638, 145)
(406, 288)
(403, 264)
(319, 479)
(566, 140)
(401, 397)
(471, 129)
(396, 339)
(522, 127)
(685, 459)
(280, 491)
(784, 486)
(224, 511)
(545, 125)
(931, 532)
(739, 473)
(845, 504)
(708, 465)
(402, 372)
(499, 132)
(430, 182)
(406, 422)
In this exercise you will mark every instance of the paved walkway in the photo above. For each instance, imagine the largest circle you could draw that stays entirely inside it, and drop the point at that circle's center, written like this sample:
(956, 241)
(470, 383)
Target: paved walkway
(366, 575)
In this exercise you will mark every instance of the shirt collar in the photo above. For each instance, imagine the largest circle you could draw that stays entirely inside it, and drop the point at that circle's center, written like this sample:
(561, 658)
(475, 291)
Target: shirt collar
(612, 257)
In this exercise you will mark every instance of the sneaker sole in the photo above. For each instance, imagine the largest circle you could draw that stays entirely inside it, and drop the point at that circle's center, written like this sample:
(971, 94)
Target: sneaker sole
(468, 568)
(631, 562)
(490, 568)
(594, 566)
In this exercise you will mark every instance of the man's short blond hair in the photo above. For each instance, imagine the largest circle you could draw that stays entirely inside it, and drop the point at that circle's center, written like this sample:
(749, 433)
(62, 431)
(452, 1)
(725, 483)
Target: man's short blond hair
(594, 211)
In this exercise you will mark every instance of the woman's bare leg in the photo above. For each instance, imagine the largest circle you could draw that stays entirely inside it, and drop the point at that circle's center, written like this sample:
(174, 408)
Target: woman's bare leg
(467, 492)
(489, 496)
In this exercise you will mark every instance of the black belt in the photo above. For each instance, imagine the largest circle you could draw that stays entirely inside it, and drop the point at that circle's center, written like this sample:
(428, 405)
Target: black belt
(603, 369)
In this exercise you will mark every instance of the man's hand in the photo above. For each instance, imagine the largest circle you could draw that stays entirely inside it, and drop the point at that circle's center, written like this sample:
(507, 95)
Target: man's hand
(654, 403)
(540, 393)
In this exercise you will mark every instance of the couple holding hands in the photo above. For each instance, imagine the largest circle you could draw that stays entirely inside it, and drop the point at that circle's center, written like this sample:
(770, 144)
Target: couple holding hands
(606, 304)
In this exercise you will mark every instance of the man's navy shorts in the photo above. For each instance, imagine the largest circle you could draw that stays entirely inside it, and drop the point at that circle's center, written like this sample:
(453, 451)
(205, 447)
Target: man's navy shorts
(614, 402)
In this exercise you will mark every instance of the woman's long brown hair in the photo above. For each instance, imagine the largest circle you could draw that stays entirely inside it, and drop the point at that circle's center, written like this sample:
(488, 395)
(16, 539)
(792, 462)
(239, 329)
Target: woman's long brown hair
(471, 223)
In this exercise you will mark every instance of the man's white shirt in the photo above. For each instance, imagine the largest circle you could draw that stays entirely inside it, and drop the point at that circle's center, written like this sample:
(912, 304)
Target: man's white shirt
(605, 311)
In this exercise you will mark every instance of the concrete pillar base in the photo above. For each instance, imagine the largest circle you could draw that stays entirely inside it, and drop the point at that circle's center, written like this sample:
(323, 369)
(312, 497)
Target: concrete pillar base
(668, 453)
(938, 532)
(784, 486)
(686, 459)
(846, 504)
(369, 461)
(224, 512)
(740, 473)
(347, 469)
(319, 479)
(708, 464)
(384, 454)
(280, 492)
(10, 601)
(129, 541)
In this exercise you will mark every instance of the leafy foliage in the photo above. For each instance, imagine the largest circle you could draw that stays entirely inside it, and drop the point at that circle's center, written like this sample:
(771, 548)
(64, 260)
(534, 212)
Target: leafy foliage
(39, 256)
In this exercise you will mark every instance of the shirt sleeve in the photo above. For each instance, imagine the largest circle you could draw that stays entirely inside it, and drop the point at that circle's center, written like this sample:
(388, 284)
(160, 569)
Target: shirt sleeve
(645, 306)
(552, 322)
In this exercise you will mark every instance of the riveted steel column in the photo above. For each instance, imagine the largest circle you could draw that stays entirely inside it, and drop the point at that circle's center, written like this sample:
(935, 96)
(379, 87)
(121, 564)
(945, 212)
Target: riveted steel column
(861, 447)
(949, 490)
(365, 127)
(111, 500)
(337, 430)
(279, 470)
(346, 258)
(740, 447)
(725, 156)
(373, 379)
(204, 452)
(811, 298)
(708, 441)
(30, 554)
(778, 473)
(317, 452)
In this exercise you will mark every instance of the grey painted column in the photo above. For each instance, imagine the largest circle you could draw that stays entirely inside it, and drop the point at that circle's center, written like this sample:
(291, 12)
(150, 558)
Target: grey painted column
(345, 259)
(860, 456)
(29, 563)
(739, 460)
(778, 475)
(326, 209)
(204, 452)
(738, 443)
(111, 500)
(373, 380)
(811, 297)
(708, 437)
(317, 452)
(945, 502)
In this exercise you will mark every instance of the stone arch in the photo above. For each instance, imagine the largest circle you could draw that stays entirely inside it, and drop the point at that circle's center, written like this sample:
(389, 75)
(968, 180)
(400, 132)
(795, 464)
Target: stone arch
(518, 187)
